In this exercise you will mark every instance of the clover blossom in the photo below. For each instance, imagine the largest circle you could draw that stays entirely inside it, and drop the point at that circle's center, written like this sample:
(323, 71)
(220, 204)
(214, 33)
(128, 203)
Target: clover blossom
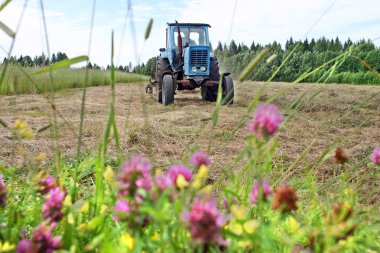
(45, 184)
(265, 121)
(375, 157)
(52, 208)
(266, 191)
(135, 174)
(204, 222)
(3, 192)
(200, 158)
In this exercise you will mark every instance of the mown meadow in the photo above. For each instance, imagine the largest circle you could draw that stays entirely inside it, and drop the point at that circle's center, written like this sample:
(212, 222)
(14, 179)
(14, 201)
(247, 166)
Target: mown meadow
(106, 202)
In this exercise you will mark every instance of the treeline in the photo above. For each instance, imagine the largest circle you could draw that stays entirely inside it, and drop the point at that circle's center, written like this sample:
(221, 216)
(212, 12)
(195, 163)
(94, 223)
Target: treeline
(306, 56)
(37, 61)
(42, 60)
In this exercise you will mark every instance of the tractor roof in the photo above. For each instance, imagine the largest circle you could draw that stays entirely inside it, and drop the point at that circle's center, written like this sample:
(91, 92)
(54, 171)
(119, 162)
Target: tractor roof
(188, 24)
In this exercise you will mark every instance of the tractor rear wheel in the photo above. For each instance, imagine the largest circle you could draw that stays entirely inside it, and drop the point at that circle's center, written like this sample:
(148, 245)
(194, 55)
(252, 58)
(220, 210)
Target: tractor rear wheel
(167, 90)
(228, 90)
(209, 93)
(162, 66)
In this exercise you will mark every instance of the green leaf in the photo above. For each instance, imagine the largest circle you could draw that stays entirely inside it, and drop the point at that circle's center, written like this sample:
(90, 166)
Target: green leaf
(62, 64)
(7, 30)
(148, 29)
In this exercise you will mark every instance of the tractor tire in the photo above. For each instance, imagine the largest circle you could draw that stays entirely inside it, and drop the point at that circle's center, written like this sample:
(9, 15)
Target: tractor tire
(162, 66)
(209, 93)
(167, 90)
(228, 90)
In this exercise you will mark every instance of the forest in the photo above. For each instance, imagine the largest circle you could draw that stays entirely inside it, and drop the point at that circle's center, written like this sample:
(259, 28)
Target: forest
(360, 66)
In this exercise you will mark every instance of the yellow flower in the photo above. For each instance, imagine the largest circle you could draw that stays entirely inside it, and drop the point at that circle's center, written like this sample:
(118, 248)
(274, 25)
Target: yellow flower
(128, 241)
(70, 218)
(207, 189)
(23, 125)
(236, 228)
(67, 201)
(103, 209)
(203, 172)
(293, 224)
(17, 124)
(109, 175)
(181, 182)
(40, 157)
(6, 247)
(84, 208)
(250, 226)
(197, 183)
(155, 236)
(158, 172)
(82, 227)
(348, 191)
(27, 133)
(238, 212)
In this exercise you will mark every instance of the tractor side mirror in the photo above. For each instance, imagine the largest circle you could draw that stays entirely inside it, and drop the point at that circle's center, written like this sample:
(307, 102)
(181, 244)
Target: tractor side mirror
(162, 49)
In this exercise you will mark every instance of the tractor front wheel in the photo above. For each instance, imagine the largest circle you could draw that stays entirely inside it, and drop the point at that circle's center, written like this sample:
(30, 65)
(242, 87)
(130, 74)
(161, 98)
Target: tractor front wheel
(228, 90)
(162, 66)
(167, 90)
(209, 93)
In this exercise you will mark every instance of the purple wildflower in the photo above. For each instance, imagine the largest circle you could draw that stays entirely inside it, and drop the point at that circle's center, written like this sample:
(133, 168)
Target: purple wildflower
(52, 208)
(163, 182)
(135, 174)
(266, 121)
(176, 170)
(205, 222)
(43, 240)
(375, 158)
(24, 246)
(3, 192)
(225, 204)
(45, 185)
(121, 210)
(267, 191)
(200, 158)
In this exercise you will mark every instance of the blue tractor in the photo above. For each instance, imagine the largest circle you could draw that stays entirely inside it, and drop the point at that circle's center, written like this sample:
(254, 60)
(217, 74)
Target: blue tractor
(187, 63)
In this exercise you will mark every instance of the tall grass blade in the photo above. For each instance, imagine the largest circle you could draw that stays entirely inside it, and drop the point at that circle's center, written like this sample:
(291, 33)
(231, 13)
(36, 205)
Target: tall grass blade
(216, 112)
(62, 64)
(7, 30)
(247, 70)
(148, 29)
(3, 123)
(3, 5)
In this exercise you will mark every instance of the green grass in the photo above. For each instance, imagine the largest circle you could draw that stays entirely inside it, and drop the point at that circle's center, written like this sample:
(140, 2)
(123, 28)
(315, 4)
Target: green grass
(17, 79)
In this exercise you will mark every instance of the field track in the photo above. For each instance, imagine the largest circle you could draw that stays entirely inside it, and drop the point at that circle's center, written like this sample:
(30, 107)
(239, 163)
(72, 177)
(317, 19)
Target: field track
(165, 133)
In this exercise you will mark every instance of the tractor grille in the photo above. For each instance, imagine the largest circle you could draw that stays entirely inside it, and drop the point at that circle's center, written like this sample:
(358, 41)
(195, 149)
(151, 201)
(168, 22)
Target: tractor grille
(198, 58)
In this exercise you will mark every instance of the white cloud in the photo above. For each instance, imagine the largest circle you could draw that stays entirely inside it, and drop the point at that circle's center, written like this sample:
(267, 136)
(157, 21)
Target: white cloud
(262, 21)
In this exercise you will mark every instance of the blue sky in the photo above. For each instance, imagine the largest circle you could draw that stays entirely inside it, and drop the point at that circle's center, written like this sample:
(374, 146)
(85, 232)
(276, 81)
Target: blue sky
(68, 24)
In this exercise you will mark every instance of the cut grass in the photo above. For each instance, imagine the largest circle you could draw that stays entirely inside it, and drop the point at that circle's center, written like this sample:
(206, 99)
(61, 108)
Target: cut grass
(174, 130)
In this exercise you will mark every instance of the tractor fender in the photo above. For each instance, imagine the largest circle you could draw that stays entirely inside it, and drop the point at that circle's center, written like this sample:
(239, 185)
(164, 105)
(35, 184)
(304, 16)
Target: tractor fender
(167, 73)
(225, 74)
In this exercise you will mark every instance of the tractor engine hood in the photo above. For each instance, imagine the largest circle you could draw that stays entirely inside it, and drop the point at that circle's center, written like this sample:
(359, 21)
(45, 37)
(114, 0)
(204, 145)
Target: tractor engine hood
(197, 60)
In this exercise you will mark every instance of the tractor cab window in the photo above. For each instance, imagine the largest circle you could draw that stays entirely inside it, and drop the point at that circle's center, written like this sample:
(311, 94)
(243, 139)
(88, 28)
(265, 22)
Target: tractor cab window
(192, 36)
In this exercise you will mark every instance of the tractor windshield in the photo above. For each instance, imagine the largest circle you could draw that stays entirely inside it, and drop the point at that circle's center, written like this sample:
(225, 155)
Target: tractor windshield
(191, 36)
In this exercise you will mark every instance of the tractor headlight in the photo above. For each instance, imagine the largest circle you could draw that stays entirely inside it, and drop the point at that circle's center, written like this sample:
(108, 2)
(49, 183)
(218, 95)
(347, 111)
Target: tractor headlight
(203, 68)
(194, 69)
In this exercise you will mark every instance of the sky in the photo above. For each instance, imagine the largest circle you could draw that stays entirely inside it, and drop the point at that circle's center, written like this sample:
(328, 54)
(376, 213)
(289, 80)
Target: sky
(68, 24)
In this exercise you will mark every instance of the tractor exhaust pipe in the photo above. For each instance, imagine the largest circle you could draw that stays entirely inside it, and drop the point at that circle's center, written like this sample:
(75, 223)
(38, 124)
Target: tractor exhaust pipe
(179, 42)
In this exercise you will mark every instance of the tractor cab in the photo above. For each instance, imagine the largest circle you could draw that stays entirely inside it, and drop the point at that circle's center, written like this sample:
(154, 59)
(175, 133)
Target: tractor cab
(186, 63)
(192, 40)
